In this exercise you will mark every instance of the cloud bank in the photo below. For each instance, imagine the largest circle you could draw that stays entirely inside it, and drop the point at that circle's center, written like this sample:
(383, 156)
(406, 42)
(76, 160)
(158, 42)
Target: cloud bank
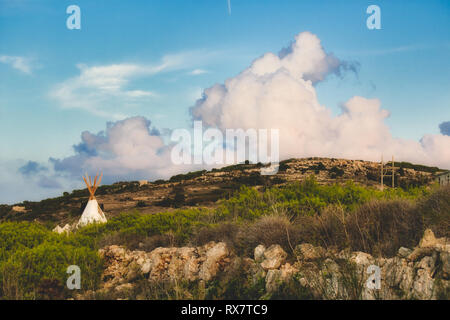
(129, 149)
(277, 91)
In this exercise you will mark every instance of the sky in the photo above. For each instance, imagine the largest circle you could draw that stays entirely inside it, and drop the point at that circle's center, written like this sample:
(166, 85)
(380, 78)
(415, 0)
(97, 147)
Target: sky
(105, 97)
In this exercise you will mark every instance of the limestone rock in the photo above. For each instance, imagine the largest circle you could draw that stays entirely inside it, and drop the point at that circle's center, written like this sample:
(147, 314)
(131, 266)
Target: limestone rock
(275, 277)
(418, 253)
(273, 280)
(421, 273)
(445, 260)
(274, 257)
(215, 258)
(404, 252)
(19, 209)
(361, 258)
(259, 253)
(428, 240)
(308, 252)
(65, 229)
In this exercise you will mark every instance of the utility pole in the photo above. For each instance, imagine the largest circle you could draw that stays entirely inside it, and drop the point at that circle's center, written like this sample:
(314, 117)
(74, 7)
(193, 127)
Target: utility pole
(382, 172)
(393, 174)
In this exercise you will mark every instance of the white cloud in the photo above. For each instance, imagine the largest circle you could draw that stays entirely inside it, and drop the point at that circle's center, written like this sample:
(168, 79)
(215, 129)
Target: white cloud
(102, 90)
(105, 90)
(127, 149)
(20, 63)
(197, 72)
(277, 92)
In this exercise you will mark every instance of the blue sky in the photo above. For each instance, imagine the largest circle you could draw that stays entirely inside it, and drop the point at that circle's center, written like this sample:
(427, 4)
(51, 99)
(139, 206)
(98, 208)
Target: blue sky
(187, 46)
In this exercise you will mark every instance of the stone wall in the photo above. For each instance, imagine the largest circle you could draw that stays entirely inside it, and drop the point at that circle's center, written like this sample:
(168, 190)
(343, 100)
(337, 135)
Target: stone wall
(419, 273)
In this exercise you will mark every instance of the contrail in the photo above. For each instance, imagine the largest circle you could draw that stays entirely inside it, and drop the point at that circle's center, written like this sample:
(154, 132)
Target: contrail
(229, 7)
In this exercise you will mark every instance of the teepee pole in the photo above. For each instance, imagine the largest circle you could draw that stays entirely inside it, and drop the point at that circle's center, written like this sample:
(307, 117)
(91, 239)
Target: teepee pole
(88, 186)
(99, 181)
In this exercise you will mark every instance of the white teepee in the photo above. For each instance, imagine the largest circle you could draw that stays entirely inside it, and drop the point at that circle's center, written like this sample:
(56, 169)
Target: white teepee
(92, 213)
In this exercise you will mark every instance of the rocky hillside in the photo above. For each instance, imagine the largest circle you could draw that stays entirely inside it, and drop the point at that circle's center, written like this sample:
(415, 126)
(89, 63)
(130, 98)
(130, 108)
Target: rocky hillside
(204, 188)
(294, 240)
(307, 272)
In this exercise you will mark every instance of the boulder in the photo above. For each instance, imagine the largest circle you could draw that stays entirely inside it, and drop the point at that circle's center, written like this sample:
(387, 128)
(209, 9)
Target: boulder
(215, 259)
(273, 280)
(274, 257)
(419, 253)
(259, 253)
(308, 252)
(65, 229)
(57, 229)
(428, 240)
(361, 258)
(404, 252)
(445, 260)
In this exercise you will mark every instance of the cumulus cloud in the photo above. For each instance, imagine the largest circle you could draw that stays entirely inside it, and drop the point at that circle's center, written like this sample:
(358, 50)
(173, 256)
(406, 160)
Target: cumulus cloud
(127, 149)
(445, 128)
(19, 63)
(277, 91)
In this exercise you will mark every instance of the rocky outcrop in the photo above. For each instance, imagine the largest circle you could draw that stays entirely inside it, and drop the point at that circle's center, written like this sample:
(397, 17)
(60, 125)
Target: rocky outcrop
(198, 263)
(421, 273)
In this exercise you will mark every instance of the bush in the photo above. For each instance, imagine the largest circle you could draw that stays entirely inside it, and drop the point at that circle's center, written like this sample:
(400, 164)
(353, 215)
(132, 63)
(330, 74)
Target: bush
(267, 231)
(377, 227)
(226, 232)
(305, 198)
(435, 210)
(34, 260)
(382, 227)
(141, 204)
(131, 228)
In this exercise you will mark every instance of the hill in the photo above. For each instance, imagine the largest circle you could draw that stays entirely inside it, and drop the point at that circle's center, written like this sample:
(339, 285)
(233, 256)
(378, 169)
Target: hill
(205, 188)
(232, 234)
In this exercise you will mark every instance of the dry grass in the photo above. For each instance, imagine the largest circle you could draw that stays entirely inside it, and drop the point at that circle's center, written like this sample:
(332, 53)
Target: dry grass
(435, 210)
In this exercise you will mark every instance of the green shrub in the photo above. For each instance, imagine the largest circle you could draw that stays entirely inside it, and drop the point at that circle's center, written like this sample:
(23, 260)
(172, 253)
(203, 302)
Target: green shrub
(305, 198)
(32, 257)
(50, 261)
(180, 223)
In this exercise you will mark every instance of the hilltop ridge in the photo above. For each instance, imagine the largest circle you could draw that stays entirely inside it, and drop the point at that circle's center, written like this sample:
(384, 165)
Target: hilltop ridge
(204, 188)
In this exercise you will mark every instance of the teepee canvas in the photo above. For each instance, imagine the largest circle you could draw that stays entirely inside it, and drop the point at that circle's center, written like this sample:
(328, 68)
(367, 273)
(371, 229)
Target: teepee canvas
(92, 213)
